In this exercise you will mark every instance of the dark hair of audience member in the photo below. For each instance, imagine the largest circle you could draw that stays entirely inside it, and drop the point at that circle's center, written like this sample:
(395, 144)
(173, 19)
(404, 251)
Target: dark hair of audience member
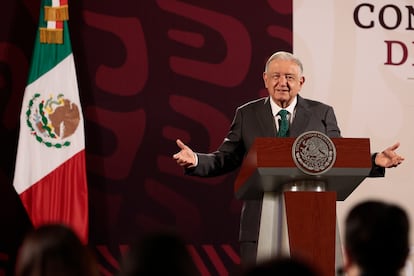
(54, 249)
(281, 266)
(158, 253)
(377, 237)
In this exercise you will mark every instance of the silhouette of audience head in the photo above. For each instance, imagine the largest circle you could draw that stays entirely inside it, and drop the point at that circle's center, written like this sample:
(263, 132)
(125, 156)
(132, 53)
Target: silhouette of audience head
(376, 239)
(54, 249)
(158, 253)
(281, 266)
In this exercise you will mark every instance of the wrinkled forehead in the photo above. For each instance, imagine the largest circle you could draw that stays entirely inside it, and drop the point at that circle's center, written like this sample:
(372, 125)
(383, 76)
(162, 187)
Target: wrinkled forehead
(283, 66)
(281, 57)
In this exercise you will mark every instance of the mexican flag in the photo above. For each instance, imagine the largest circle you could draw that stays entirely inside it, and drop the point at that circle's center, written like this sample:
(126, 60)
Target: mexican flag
(50, 173)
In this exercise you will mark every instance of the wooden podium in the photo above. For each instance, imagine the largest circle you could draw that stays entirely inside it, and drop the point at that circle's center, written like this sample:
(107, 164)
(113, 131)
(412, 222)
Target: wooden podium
(299, 210)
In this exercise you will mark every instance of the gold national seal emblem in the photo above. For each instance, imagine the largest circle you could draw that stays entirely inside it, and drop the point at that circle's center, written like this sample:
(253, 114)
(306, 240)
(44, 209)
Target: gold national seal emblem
(53, 120)
(314, 153)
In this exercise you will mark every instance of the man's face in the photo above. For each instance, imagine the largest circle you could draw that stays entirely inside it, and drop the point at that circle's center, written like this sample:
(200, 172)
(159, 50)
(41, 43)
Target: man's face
(283, 81)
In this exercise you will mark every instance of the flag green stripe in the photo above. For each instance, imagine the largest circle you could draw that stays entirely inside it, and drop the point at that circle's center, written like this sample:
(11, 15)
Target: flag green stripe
(46, 56)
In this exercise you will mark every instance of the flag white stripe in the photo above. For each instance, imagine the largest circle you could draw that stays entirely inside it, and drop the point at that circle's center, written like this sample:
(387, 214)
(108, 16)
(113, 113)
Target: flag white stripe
(31, 153)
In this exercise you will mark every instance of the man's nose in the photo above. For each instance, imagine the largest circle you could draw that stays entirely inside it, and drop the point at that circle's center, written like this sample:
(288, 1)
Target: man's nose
(282, 80)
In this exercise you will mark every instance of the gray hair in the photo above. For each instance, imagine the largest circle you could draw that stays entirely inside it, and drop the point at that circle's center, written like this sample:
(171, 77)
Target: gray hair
(284, 56)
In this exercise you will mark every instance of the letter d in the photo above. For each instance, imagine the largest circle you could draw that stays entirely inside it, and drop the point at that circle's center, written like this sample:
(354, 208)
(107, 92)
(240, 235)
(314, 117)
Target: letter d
(390, 45)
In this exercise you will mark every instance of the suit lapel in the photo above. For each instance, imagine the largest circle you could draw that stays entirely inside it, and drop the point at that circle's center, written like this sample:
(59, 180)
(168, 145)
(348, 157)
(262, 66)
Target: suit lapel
(301, 120)
(266, 120)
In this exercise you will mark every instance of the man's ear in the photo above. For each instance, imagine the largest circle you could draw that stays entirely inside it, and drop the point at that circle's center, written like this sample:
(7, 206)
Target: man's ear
(265, 79)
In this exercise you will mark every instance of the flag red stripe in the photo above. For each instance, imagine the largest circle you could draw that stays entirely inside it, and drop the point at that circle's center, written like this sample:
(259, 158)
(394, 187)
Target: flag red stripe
(61, 197)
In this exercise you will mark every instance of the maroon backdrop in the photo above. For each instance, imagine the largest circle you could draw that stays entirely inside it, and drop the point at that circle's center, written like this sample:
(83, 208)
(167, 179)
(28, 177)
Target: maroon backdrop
(149, 72)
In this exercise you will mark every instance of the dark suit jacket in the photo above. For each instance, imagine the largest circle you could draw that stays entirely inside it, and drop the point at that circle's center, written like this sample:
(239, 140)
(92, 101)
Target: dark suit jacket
(255, 119)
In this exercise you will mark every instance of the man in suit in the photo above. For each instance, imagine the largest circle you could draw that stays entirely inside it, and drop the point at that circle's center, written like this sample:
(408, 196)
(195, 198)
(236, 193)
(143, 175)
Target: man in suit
(283, 78)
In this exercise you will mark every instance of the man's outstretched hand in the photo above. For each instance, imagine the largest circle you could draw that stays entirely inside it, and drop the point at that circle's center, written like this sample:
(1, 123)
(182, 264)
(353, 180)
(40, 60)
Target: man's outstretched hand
(185, 157)
(388, 158)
